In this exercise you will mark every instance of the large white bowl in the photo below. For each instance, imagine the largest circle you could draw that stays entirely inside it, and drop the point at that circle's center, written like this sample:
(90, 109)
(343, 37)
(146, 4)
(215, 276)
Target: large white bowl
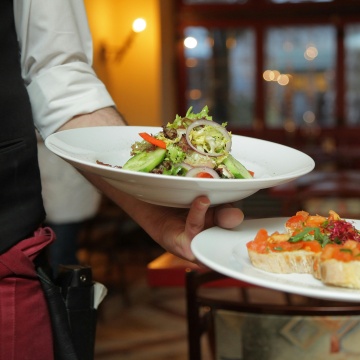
(272, 163)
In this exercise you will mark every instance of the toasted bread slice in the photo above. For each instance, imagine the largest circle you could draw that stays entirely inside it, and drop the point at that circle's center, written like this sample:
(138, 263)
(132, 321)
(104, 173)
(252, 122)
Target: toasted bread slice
(340, 273)
(339, 265)
(327, 248)
(285, 262)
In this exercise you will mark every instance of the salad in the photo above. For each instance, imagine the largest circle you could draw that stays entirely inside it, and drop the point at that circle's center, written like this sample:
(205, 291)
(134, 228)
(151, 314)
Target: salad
(192, 146)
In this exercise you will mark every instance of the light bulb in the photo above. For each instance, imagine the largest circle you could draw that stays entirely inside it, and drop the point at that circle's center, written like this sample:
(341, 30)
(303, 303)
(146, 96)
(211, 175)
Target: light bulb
(139, 25)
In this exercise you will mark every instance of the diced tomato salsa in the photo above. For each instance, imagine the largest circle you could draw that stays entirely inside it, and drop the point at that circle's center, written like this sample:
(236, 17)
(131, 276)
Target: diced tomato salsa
(349, 251)
(262, 244)
(334, 237)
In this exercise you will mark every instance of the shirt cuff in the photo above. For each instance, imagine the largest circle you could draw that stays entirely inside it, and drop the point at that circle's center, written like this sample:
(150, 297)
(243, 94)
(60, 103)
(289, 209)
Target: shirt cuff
(62, 92)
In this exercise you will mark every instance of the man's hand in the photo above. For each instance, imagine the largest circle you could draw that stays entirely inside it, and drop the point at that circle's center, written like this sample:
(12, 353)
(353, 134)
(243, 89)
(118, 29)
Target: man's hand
(180, 226)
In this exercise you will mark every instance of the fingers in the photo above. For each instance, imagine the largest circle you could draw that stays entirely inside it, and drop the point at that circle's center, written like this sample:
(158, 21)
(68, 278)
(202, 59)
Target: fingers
(195, 221)
(201, 217)
(228, 217)
(225, 216)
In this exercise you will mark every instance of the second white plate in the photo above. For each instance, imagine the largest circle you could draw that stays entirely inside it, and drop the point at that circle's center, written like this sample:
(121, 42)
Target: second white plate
(225, 252)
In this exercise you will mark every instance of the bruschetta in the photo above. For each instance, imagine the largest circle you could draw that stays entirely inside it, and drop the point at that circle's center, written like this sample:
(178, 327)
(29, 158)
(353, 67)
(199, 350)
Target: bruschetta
(326, 247)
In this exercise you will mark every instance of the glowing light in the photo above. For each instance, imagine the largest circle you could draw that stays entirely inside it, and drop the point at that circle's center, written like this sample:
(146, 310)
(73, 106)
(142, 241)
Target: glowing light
(283, 79)
(266, 75)
(271, 75)
(190, 42)
(309, 117)
(139, 25)
(275, 75)
(311, 53)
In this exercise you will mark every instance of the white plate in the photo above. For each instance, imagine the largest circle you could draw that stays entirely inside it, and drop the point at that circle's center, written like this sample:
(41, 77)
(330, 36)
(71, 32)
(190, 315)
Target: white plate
(272, 163)
(225, 252)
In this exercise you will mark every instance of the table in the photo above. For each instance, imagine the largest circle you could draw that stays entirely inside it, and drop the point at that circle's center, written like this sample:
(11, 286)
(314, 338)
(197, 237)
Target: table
(169, 270)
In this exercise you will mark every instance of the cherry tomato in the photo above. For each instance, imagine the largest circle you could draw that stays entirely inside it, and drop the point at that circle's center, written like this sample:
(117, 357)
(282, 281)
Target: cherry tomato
(204, 175)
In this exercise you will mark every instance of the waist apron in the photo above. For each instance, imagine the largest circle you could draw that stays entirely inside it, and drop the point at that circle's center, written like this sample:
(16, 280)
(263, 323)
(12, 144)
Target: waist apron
(25, 328)
(25, 323)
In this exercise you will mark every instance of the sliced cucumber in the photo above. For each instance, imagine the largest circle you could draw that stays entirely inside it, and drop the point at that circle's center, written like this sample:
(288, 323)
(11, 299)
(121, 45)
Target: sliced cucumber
(145, 161)
(236, 168)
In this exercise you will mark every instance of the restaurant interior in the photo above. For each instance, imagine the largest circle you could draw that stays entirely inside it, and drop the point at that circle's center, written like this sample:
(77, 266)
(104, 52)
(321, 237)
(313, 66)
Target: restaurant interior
(285, 71)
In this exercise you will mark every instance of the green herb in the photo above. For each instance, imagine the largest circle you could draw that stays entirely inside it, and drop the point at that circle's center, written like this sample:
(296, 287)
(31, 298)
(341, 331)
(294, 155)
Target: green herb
(303, 234)
(311, 234)
(321, 238)
(278, 248)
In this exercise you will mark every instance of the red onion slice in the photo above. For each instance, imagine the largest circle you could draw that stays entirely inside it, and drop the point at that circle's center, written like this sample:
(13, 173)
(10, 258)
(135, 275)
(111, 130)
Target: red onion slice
(194, 172)
(211, 143)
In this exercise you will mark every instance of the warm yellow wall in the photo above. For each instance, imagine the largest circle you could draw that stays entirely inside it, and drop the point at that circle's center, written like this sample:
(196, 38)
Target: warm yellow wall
(135, 82)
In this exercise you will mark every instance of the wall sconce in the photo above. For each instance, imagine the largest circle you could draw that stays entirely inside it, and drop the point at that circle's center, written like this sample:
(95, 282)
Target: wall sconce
(117, 53)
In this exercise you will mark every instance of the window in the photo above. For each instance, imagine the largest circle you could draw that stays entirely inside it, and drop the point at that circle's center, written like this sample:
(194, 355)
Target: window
(272, 64)
(352, 50)
(299, 76)
(220, 72)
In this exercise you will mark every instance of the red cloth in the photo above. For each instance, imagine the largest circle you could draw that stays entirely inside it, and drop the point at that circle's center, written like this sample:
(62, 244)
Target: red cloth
(25, 327)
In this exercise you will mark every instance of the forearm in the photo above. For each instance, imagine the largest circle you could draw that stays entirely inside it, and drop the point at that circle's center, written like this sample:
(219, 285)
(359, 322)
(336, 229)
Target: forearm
(105, 117)
(148, 216)
(171, 228)
(108, 116)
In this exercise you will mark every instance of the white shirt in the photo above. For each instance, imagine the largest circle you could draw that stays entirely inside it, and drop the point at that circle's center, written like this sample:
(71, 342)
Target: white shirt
(68, 196)
(56, 60)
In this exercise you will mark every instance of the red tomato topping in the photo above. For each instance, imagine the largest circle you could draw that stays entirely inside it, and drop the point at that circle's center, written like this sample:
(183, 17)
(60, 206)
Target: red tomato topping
(296, 222)
(204, 175)
(261, 244)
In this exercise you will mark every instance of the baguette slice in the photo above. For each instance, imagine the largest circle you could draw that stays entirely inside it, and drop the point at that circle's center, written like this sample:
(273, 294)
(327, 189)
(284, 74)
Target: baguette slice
(275, 253)
(327, 248)
(339, 273)
(285, 262)
(339, 265)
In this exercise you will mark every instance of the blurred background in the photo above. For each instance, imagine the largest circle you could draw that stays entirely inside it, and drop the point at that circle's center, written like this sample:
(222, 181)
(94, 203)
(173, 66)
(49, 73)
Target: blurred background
(287, 71)
(285, 68)
(280, 70)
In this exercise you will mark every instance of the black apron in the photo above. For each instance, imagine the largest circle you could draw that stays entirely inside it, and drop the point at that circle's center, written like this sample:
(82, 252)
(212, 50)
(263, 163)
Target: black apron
(70, 300)
(21, 207)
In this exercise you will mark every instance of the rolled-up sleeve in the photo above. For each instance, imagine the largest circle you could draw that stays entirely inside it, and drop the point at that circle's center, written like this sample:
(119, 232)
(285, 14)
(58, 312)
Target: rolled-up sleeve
(56, 60)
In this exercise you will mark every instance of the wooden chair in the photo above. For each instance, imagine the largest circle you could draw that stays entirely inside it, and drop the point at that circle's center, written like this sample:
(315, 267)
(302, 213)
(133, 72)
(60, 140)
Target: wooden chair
(245, 330)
